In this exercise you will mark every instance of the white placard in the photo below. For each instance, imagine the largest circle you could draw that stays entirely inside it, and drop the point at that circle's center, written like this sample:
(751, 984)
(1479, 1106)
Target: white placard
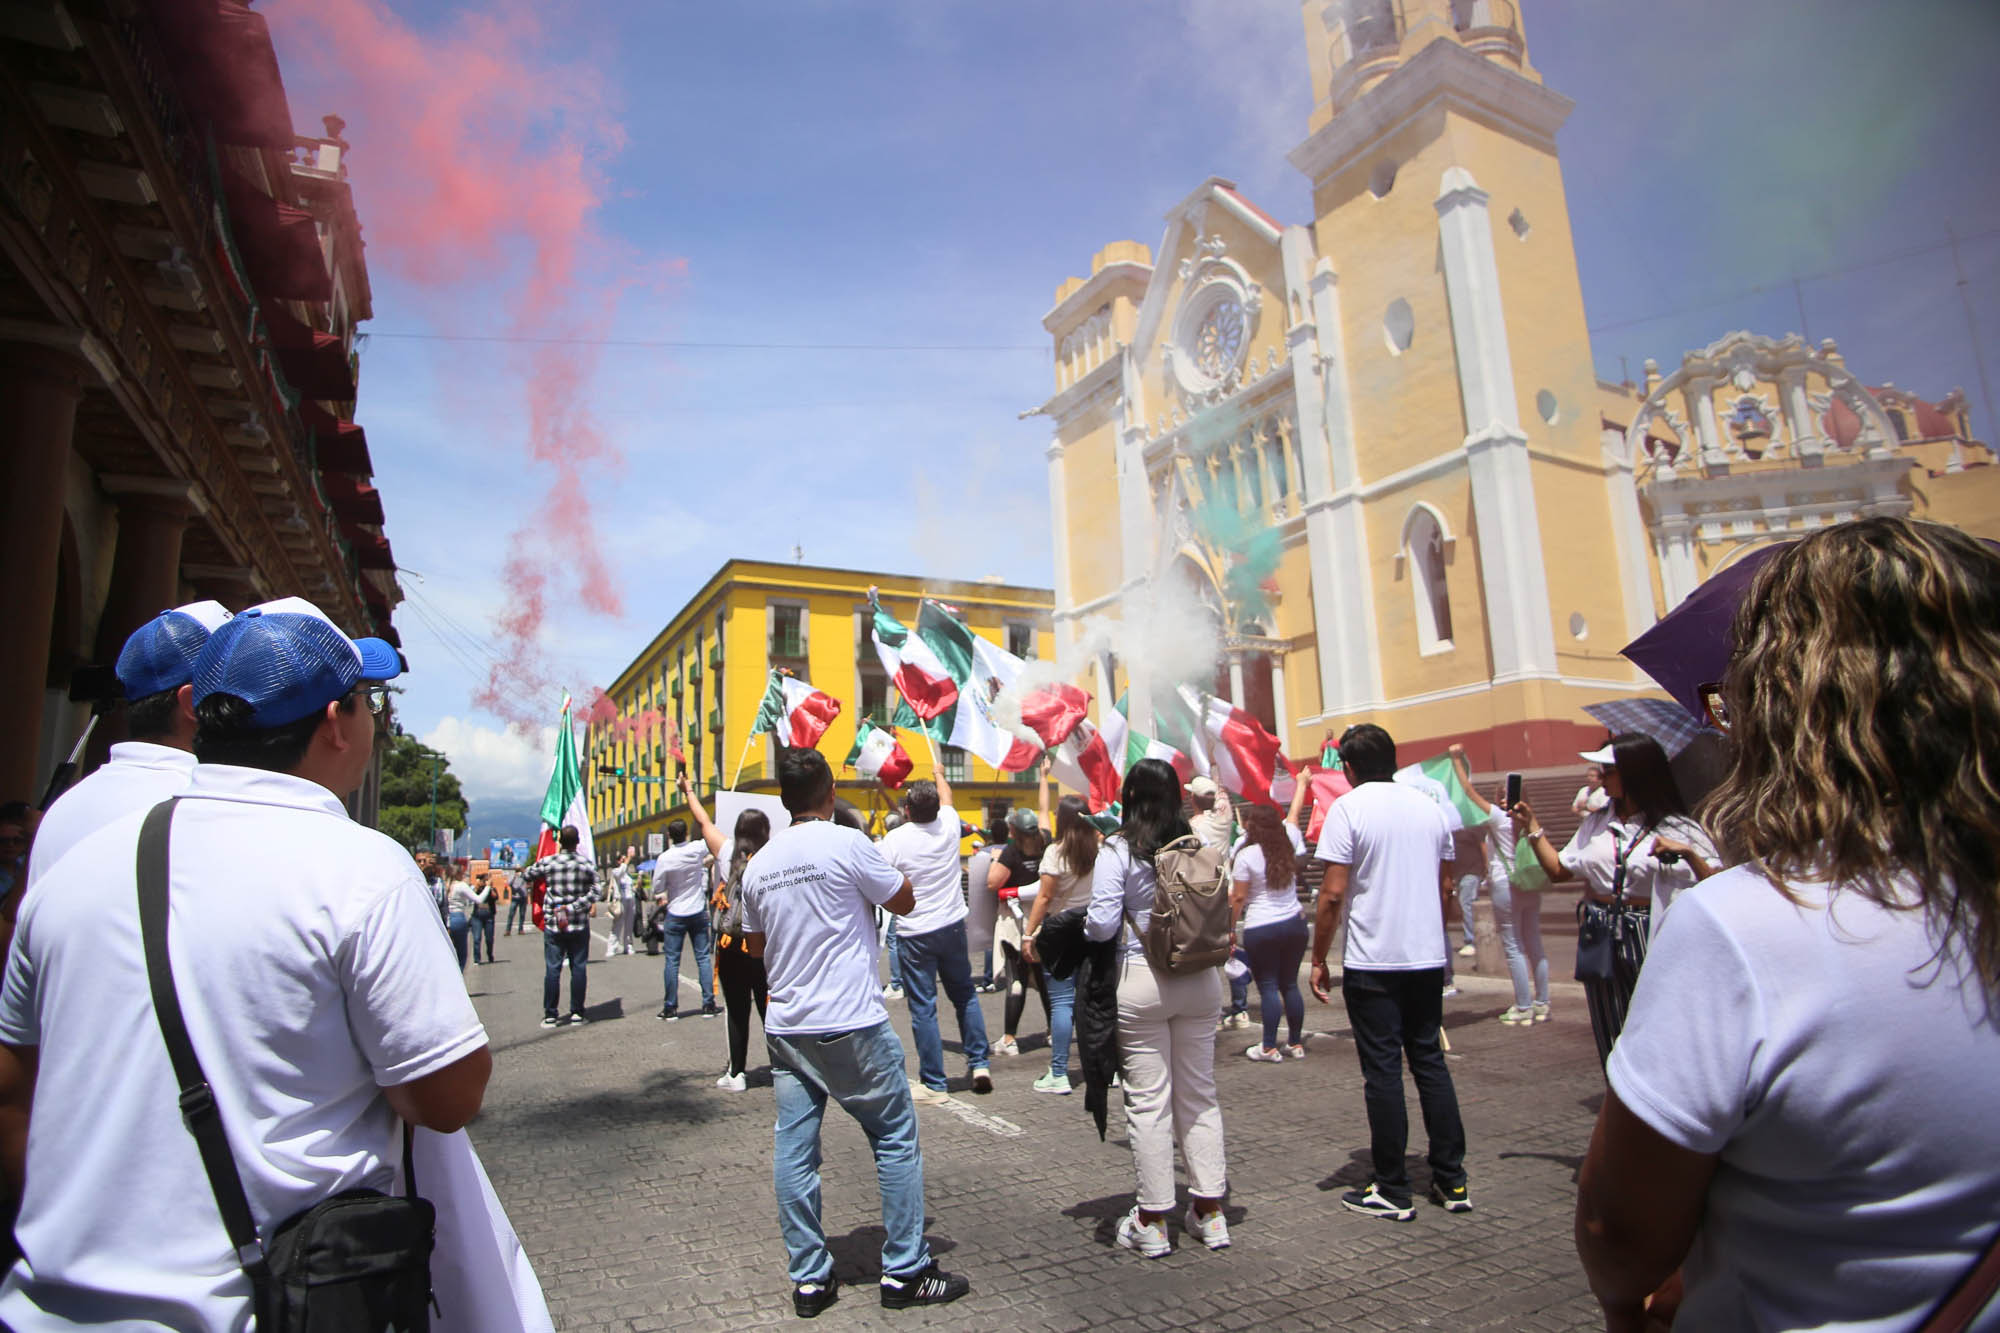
(729, 804)
(655, 844)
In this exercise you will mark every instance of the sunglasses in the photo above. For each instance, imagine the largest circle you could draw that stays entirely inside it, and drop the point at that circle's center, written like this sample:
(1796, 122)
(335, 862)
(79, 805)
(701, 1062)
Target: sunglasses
(1713, 704)
(375, 696)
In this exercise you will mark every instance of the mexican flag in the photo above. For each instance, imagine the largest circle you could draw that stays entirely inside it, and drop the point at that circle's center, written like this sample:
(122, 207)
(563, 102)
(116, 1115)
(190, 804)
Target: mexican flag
(976, 672)
(926, 667)
(1054, 711)
(877, 754)
(563, 803)
(1243, 757)
(1328, 784)
(1095, 758)
(794, 712)
(1438, 779)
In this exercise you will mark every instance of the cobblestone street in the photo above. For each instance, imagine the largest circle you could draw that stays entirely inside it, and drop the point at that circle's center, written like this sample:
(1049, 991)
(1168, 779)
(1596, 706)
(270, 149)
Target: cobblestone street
(643, 1195)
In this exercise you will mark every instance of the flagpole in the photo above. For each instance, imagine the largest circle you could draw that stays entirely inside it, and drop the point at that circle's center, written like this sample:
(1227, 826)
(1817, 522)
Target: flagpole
(743, 759)
(937, 764)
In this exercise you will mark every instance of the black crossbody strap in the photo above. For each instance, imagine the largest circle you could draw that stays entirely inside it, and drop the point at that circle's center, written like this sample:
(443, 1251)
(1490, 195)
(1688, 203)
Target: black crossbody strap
(198, 1109)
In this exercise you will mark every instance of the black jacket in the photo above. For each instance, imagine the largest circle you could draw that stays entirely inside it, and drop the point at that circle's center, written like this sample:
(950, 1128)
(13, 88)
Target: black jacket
(1065, 952)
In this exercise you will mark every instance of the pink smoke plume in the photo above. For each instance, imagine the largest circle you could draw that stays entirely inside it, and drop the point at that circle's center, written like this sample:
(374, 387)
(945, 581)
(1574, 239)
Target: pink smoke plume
(475, 165)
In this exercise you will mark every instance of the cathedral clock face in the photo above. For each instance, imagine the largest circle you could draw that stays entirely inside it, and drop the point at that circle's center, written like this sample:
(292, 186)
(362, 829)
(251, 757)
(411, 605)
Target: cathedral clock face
(1218, 339)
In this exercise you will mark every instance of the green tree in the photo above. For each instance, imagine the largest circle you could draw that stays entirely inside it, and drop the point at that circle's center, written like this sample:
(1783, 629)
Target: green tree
(407, 768)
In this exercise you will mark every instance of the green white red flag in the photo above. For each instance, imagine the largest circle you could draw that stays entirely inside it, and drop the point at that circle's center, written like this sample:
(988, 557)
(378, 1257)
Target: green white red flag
(1243, 757)
(1095, 757)
(794, 712)
(958, 708)
(1437, 778)
(563, 803)
(878, 755)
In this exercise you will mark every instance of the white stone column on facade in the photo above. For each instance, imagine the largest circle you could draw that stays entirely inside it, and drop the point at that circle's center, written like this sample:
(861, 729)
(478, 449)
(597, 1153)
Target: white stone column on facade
(1628, 530)
(1798, 412)
(1065, 625)
(1515, 583)
(1135, 547)
(1678, 575)
(1279, 713)
(1343, 598)
(1700, 392)
(1236, 678)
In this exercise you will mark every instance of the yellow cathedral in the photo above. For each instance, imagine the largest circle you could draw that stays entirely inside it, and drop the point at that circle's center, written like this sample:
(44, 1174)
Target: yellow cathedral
(1399, 400)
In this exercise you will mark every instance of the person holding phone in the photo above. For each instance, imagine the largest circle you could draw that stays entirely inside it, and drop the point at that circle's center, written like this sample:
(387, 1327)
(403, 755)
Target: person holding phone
(1516, 916)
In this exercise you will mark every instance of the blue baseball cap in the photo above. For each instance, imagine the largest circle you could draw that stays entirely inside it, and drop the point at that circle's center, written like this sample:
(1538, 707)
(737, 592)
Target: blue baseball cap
(161, 653)
(287, 661)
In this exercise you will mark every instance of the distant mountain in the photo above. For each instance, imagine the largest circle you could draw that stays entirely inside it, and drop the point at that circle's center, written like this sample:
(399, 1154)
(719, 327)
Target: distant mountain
(505, 819)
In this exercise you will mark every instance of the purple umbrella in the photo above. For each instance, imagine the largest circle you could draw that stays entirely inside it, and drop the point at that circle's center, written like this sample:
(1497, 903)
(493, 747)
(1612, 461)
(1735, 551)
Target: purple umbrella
(1690, 644)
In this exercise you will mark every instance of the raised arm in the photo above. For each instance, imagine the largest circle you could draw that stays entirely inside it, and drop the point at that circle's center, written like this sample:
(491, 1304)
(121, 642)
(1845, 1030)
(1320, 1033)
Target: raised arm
(710, 834)
(944, 788)
(1301, 789)
(1525, 824)
(1464, 771)
(1048, 821)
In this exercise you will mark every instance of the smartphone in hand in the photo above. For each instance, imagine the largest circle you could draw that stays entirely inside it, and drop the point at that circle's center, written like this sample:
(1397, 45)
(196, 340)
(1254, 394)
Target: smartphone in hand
(1513, 790)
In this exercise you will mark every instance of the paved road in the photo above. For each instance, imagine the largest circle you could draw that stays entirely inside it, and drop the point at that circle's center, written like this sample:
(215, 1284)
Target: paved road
(643, 1193)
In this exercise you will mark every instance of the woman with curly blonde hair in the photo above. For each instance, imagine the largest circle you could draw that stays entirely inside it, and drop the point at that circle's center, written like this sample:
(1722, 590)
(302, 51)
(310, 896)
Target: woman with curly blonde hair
(1800, 1131)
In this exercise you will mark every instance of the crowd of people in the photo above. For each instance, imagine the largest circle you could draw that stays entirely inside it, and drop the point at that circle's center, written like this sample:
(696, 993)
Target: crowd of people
(1792, 983)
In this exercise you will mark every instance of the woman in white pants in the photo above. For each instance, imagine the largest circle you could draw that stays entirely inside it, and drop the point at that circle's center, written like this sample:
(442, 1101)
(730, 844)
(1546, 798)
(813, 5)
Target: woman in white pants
(1517, 916)
(1166, 1028)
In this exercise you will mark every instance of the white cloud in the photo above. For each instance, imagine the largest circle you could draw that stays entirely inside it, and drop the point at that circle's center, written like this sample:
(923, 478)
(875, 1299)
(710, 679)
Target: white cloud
(495, 763)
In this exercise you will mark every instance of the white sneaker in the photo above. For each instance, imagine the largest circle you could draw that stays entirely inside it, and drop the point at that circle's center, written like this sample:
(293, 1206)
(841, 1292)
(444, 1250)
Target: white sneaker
(1149, 1239)
(1541, 1013)
(1297, 1052)
(1467, 951)
(924, 1096)
(892, 992)
(1274, 1056)
(1515, 1015)
(1007, 1046)
(732, 1082)
(1211, 1231)
(1450, 991)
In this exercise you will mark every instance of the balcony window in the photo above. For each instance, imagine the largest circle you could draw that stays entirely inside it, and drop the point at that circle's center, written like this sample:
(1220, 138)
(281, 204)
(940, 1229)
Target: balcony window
(715, 719)
(715, 653)
(957, 767)
(788, 631)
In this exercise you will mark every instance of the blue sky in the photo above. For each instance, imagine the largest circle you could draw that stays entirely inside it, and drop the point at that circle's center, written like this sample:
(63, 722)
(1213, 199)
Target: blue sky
(924, 172)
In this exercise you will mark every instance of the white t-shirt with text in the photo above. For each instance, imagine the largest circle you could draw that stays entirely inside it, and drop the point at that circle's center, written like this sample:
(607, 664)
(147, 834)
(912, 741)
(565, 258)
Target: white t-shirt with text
(678, 874)
(308, 982)
(1394, 841)
(1846, 1074)
(928, 854)
(812, 893)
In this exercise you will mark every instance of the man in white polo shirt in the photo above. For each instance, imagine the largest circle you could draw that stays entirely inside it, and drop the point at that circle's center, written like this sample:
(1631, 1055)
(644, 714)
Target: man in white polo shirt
(1388, 850)
(809, 900)
(930, 941)
(155, 667)
(680, 884)
(311, 972)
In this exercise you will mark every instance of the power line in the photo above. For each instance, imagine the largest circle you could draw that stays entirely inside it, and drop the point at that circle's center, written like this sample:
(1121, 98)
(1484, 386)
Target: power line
(1793, 281)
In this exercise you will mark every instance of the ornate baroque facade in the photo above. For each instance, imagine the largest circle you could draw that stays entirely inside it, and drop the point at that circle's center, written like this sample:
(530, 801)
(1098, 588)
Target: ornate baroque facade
(1468, 524)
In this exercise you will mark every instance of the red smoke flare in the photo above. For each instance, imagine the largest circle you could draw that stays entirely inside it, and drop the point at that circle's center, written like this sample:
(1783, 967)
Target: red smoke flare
(474, 166)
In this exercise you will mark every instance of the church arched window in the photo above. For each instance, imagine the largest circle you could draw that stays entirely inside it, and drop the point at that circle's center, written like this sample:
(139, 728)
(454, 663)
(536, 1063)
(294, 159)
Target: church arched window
(1424, 559)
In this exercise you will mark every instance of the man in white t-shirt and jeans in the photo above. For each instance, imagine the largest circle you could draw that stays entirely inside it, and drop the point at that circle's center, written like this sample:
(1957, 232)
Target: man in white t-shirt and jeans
(680, 882)
(1389, 848)
(931, 938)
(809, 900)
(312, 973)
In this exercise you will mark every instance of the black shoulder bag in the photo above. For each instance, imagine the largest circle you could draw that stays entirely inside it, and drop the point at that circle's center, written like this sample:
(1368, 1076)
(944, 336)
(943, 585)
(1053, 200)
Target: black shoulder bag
(358, 1260)
(1611, 937)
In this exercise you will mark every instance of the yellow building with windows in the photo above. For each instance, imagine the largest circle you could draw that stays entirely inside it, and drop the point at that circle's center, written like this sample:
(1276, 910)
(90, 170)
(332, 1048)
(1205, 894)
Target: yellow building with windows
(703, 676)
(1468, 524)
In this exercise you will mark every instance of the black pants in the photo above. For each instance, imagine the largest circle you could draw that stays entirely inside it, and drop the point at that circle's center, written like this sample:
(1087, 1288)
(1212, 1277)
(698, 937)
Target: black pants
(743, 983)
(1021, 976)
(1394, 1014)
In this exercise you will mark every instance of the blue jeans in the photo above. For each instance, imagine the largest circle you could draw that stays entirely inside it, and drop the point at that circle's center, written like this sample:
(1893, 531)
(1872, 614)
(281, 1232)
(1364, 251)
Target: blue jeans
(573, 945)
(693, 928)
(938, 958)
(1275, 951)
(517, 912)
(1468, 894)
(895, 954)
(1062, 1020)
(458, 924)
(863, 1071)
(1239, 987)
(482, 933)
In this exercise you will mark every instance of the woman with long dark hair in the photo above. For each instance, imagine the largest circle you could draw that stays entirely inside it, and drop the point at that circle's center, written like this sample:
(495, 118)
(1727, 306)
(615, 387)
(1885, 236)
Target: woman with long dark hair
(1801, 1114)
(740, 973)
(1631, 858)
(1015, 875)
(1264, 902)
(1066, 869)
(1166, 1027)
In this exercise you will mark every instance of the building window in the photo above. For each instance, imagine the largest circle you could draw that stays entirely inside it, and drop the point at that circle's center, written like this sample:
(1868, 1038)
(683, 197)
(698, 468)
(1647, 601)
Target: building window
(788, 631)
(1423, 556)
(1020, 638)
(874, 694)
(956, 767)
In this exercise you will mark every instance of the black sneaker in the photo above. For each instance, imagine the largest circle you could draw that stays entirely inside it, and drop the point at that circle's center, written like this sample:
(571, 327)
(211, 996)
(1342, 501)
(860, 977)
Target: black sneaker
(670, 1014)
(575, 1019)
(931, 1286)
(1371, 1202)
(551, 1021)
(710, 1011)
(809, 1298)
(1451, 1198)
